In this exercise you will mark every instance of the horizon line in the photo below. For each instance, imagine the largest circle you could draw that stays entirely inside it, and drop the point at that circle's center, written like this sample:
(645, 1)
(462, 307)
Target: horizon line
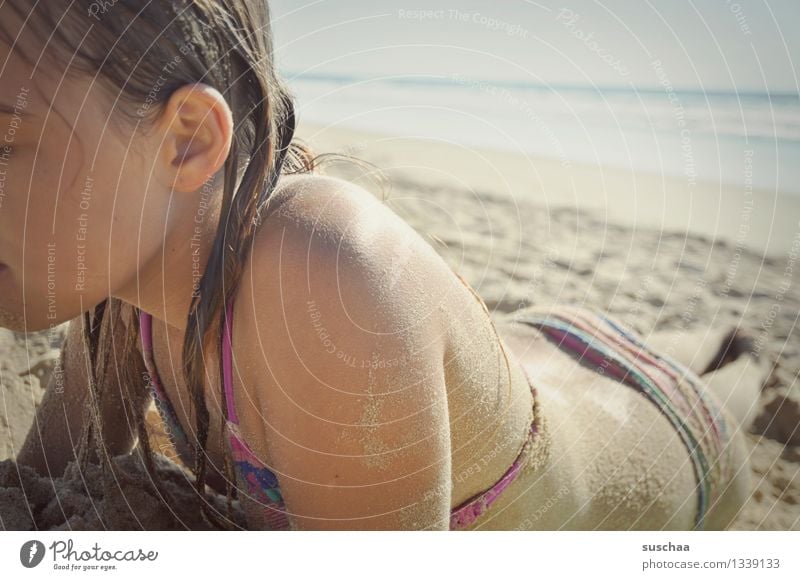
(444, 80)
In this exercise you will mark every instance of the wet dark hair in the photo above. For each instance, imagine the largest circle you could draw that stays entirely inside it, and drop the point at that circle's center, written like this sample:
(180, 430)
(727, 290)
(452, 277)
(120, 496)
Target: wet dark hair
(126, 46)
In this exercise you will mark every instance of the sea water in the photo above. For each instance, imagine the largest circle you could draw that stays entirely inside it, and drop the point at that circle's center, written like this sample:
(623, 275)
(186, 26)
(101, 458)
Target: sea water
(711, 136)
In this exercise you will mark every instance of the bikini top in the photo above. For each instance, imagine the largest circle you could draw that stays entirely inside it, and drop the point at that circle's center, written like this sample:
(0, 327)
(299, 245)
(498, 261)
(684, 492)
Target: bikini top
(251, 473)
(256, 477)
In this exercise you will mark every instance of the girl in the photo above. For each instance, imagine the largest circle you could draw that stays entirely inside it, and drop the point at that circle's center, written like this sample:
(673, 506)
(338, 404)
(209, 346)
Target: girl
(308, 351)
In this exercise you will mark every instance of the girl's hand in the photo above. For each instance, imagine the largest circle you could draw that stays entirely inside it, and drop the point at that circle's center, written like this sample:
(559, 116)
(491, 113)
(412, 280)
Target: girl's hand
(346, 352)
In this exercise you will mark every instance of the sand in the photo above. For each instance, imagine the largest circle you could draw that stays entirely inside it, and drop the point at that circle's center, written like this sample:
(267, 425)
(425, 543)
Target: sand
(85, 501)
(650, 251)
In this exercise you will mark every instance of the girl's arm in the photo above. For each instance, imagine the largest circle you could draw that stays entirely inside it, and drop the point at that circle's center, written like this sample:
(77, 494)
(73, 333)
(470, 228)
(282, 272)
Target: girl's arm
(58, 422)
(362, 444)
(345, 355)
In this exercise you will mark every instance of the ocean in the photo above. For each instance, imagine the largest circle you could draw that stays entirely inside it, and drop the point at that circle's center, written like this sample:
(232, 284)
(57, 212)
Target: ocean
(737, 139)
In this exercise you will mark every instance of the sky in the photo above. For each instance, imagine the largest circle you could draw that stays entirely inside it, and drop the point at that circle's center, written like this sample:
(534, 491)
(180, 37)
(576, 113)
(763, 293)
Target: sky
(696, 45)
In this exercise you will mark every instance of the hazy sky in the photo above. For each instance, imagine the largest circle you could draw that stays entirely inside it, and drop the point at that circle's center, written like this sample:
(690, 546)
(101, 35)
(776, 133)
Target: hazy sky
(749, 45)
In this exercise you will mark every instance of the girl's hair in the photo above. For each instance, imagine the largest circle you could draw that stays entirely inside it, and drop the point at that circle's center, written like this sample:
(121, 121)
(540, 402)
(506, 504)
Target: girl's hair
(141, 52)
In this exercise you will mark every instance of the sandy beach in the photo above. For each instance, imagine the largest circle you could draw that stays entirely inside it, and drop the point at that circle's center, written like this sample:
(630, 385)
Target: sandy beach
(658, 253)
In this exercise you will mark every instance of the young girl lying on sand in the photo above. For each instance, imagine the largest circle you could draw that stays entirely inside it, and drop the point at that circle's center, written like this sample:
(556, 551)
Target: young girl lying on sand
(308, 351)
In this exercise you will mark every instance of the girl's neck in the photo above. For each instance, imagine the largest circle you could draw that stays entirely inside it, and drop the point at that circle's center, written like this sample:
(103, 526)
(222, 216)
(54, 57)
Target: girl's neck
(165, 284)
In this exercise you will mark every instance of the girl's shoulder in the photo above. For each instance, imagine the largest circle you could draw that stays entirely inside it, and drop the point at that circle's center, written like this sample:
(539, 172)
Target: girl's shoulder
(308, 197)
(327, 213)
(331, 257)
(318, 225)
(340, 300)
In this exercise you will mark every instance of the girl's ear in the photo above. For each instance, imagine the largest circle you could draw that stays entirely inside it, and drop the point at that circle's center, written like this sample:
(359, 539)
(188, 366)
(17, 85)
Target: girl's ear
(196, 127)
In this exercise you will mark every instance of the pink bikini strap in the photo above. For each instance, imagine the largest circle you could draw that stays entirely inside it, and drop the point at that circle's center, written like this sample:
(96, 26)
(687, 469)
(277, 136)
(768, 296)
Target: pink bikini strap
(146, 335)
(227, 363)
(145, 331)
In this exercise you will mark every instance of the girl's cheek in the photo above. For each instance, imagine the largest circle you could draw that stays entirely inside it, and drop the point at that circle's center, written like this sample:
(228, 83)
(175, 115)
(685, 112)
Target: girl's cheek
(59, 213)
